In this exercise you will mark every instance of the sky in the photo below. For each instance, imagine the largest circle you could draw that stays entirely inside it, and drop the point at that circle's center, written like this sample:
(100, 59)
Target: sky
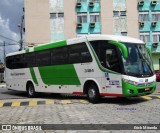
(10, 16)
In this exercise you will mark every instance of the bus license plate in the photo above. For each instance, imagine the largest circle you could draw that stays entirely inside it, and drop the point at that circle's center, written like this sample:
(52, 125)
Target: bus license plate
(147, 89)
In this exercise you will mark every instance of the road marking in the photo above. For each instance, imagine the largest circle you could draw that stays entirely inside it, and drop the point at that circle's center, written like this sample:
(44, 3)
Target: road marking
(1, 104)
(49, 101)
(158, 96)
(84, 101)
(24, 104)
(66, 101)
(146, 97)
(32, 103)
(14, 104)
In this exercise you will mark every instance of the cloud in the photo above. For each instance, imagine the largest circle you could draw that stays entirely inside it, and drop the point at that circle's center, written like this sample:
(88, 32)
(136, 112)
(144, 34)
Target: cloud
(10, 16)
(7, 32)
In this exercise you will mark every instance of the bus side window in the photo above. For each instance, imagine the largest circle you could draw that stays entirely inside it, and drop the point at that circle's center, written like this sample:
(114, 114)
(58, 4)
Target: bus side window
(112, 61)
(43, 58)
(59, 56)
(30, 59)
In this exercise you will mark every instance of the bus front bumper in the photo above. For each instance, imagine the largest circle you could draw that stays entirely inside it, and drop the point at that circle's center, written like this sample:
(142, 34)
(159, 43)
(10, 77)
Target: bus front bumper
(130, 90)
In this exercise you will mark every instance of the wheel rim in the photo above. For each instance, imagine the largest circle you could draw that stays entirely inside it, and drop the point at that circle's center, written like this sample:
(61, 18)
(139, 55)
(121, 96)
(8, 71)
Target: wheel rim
(91, 93)
(31, 90)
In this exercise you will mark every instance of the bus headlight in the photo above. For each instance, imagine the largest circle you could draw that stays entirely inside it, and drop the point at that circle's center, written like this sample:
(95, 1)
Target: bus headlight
(130, 82)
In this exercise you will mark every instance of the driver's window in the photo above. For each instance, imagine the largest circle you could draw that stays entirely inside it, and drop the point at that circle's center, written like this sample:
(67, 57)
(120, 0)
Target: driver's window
(112, 61)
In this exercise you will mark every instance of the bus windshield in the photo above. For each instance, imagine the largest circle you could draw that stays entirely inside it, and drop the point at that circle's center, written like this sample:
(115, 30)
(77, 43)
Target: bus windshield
(139, 62)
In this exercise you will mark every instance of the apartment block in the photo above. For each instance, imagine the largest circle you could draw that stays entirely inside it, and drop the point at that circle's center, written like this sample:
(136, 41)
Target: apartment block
(149, 27)
(53, 20)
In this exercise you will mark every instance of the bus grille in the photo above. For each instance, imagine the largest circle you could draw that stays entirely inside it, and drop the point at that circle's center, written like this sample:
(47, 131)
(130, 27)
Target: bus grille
(143, 90)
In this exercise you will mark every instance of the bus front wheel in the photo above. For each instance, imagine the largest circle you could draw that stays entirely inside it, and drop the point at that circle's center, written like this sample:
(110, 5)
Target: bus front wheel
(93, 93)
(30, 90)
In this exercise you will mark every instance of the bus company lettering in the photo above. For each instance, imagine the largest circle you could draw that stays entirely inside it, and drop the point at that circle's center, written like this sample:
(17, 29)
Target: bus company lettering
(17, 74)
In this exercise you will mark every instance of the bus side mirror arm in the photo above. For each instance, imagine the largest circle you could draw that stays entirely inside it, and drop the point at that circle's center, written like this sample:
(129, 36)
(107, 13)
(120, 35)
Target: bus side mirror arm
(122, 47)
(150, 52)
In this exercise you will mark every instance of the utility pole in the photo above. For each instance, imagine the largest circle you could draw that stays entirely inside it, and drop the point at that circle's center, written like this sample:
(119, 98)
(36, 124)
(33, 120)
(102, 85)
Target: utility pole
(21, 33)
(4, 50)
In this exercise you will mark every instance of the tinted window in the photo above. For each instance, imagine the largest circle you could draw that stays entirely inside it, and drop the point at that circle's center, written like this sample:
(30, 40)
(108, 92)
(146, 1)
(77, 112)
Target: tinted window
(30, 59)
(59, 56)
(79, 53)
(43, 58)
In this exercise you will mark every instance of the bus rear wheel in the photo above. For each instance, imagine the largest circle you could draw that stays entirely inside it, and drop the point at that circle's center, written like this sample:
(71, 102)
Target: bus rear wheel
(93, 93)
(30, 90)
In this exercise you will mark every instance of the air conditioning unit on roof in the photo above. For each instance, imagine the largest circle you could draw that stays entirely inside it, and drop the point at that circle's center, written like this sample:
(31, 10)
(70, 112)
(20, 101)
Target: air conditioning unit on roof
(141, 2)
(91, 3)
(79, 25)
(155, 44)
(141, 24)
(153, 2)
(79, 4)
(154, 23)
(92, 25)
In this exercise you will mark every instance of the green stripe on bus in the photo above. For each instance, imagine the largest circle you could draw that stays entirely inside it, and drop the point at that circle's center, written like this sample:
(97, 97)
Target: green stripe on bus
(33, 75)
(27, 50)
(59, 75)
(51, 45)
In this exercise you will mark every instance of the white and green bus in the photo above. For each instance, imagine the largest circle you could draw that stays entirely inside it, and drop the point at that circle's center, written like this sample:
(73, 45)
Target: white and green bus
(95, 65)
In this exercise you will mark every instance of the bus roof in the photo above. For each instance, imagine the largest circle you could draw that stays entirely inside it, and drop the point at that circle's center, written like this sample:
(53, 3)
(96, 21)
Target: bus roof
(117, 38)
(91, 38)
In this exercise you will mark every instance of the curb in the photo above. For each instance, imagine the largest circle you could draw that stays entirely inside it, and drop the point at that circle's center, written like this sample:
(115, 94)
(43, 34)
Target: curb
(40, 102)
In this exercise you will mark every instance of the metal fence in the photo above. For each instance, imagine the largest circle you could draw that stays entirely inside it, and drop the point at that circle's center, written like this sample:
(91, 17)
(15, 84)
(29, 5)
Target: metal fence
(1, 77)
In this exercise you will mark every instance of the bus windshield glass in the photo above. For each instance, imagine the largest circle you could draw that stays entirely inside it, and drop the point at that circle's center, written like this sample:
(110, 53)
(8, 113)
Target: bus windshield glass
(138, 63)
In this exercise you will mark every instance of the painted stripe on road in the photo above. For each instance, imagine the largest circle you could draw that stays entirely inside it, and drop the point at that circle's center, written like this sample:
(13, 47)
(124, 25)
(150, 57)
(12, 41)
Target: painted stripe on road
(32, 103)
(146, 97)
(66, 101)
(50, 102)
(15, 104)
(1, 104)
(158, 96)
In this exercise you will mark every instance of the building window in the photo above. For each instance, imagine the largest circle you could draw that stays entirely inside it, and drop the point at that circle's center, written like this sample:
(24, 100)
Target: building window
(124, 33)
(53, 16)
(60, 15)
(82, 18)
(81, 0)
(156, 16)
(56, 15)
(145, 37)
(143, 17)
(156, 37)
(94, 18)
(119, 13)
(94, 1)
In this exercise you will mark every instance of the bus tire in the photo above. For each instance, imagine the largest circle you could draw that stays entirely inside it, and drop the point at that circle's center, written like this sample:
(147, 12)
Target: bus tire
(31, 91)
(93, 93)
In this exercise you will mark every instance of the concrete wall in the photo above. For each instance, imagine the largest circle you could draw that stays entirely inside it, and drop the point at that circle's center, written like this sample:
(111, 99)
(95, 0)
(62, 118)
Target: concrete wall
(37, 21)
(70, 19)
(132, 18)
(107, 16)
